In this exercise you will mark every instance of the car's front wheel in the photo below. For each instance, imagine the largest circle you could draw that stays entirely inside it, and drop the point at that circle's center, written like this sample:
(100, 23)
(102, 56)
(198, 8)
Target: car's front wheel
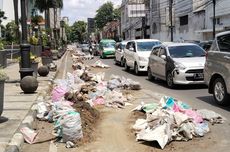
(220, 92)
(169, 80)
(136, 70)
(150, 76)
(126, 66)
(122, 62)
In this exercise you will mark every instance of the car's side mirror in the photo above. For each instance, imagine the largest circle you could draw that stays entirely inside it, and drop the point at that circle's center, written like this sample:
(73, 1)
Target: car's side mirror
(163, 57)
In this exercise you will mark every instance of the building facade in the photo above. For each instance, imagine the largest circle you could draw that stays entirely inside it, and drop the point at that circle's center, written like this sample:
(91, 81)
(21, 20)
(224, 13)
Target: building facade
(222, 19)
(133, 15)
(192, 20)
(111, 30)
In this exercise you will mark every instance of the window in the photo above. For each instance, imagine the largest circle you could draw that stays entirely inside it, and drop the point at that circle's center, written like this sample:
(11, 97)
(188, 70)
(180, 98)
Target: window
(128, 45)
(186, 51)
(218, 21)
(155, 51)
(184, 20)
(162, 51)
(132, 45)
(224, 43)
(146, 46)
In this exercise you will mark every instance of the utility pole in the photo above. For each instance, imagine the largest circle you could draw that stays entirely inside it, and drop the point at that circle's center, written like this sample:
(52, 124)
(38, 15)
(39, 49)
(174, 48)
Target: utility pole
(143, 27)
(214, 18)
(171, 18)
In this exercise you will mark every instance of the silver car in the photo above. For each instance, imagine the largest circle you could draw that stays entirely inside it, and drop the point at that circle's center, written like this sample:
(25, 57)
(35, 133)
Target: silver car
(177, 63)
(217, 68)
(85, 47)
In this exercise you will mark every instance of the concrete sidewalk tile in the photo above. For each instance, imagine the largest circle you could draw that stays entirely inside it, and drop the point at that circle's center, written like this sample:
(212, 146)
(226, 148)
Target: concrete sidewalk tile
(3, 146)
(17, 107)
(14, 114)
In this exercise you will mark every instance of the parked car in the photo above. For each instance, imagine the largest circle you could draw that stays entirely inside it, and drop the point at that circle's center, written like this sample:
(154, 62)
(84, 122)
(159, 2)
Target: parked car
(177, 63)
(119, 53)
(136, 54)
(205, 45)
(217, 69)
(107, 48)
(85, 47)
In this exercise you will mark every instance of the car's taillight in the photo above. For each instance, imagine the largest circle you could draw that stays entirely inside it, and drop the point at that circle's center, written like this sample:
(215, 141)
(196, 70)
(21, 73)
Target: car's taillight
(206, 55)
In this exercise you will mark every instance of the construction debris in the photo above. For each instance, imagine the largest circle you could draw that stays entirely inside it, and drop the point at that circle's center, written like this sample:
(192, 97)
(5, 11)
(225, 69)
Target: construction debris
(172, 120)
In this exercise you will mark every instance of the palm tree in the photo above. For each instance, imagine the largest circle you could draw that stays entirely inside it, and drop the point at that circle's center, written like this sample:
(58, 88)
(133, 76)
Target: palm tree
(45, 5)
(2, 17)
(16, 19)
(56, 4)
(42, 6)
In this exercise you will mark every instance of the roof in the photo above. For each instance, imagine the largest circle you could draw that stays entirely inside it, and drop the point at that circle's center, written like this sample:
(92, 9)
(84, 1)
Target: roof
(177, 44)
(145, 40)
(107, 40)
(124, 42)
(222, 33)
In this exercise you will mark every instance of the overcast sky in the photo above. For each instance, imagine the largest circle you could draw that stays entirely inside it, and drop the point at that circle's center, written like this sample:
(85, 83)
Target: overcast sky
(83, 9)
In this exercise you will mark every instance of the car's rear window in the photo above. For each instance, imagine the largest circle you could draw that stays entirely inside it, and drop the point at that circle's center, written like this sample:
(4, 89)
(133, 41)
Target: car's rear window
(186, 51)
(147, 46)
(224, 43)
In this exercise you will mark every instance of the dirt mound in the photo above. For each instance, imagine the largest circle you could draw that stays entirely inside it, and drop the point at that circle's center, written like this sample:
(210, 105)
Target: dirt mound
(89, 119)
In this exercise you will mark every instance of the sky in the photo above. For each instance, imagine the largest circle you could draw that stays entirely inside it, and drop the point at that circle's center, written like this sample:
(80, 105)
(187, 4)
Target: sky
(83, 9)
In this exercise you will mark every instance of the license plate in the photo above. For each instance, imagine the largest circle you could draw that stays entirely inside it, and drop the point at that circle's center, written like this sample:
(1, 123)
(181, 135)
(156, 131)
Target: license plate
(198, 76)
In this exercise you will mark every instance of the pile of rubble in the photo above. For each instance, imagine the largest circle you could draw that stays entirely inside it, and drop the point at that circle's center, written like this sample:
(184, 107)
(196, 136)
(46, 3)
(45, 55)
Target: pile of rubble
(172, 120)
(71, 105)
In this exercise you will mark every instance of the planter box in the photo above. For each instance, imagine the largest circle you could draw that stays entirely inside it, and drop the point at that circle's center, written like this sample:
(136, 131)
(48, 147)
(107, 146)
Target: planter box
(47, 60)
(34, 66)
(1, 96)
(3, 59)
(55, 56)
(36, 50)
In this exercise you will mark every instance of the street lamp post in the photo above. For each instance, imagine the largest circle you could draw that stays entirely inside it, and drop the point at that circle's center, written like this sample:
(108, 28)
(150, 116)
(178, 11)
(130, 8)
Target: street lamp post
(62, 24)
(25, 69)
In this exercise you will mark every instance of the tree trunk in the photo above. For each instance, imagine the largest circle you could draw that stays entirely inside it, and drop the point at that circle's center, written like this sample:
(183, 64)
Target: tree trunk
(16, 19)
(55, 28)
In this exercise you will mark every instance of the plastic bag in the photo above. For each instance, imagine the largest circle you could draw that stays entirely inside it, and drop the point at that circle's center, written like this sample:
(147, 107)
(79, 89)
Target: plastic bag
(41, 110)
(114, 83)
(99, 101)
(57, 93)
(72, 129)
(197, 118)
(28, 134)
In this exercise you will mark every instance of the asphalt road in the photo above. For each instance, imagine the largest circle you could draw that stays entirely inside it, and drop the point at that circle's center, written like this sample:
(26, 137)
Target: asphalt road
(196, 96)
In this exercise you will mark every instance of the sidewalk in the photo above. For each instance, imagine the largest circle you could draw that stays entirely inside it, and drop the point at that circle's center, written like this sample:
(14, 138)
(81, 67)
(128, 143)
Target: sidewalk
(17, 105)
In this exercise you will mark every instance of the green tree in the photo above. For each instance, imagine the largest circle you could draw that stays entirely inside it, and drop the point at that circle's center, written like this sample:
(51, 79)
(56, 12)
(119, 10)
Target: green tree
(45, 5)
(35, 20)
(105, 14)
(10, 32)
(2, 17)
(78, 31)
(117, 14)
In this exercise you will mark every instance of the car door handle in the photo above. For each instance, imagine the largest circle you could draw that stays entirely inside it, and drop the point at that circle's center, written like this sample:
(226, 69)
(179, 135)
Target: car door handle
(227, 57)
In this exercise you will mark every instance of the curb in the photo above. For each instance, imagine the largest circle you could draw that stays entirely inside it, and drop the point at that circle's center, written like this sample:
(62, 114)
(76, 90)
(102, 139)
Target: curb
(17, 140)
